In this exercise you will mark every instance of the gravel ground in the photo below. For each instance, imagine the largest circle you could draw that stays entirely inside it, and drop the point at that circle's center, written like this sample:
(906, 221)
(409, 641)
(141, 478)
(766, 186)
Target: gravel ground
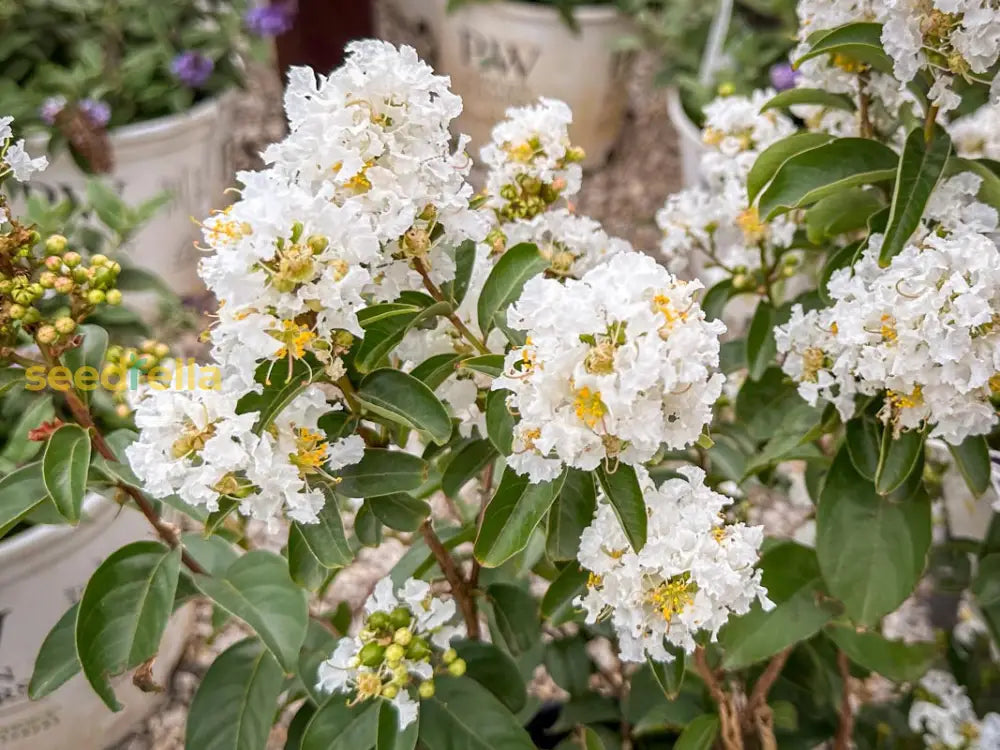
(624, 196)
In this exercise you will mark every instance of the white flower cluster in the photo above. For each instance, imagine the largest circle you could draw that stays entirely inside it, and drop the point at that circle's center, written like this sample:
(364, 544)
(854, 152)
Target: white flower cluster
(694, 572)
(14, 160)
(712, 227)
(406, 637)
(192, 443)
(947, 718)
(615, 365)
(925, 330)
(530, 161)
(977, 134)
(949, 38)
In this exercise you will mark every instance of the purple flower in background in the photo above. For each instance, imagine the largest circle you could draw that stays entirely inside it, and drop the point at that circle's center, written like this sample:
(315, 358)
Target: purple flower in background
(270, 20)
(783, 76)
(97, 111)
(51, 108)
(192, 68)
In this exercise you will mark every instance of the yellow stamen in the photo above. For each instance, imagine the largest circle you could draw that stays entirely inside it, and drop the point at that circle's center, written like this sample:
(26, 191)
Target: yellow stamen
(673, 597)
(813, 360)
(888, 329)
(754, 230)
(295, 338)
(906, 401)
(311, 450)
(589, 407)
(594, 581)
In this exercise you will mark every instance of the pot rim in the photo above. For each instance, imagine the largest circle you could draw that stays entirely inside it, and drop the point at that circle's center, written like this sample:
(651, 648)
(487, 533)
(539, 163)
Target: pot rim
(586, 14)
(23, 547)
(158, 128)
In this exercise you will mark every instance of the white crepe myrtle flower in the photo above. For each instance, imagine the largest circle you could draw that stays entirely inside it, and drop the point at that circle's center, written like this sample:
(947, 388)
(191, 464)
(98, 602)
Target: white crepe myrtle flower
(405, 641)
(14, 159)
(977, 134)
(614, 365)
(736, 131)
(944, 714)
(530, 161)
(573, 244)
(923, 331)
(694, 572)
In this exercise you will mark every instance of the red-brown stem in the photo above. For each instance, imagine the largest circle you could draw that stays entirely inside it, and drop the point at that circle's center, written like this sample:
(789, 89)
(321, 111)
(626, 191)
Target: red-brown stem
(459, 588)
(463, 329)
(484, 501)
(846, 727)
(758, 697)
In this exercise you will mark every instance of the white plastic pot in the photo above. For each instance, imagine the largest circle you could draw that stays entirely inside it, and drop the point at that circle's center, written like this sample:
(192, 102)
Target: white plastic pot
(504, 54)
(185, 155)
(689, 143)
(42, 572)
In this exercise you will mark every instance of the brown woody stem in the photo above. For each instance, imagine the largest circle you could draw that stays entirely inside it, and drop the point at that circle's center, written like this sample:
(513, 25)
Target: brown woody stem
(459, 587)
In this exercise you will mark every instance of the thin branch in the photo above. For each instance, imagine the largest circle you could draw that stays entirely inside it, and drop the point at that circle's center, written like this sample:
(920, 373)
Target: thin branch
(487, 486)
(846, 727)
(864, 101)
(459, 587)
(463, 329)
(758, 697)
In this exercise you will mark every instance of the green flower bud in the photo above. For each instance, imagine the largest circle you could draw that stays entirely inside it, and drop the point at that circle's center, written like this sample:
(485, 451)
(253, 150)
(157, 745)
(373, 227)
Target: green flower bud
(371, 654)
(403, 636)
(161, 351)
(54, 263)
(457, 667)
(47, 279)
(16, 312)
(64, 285)
(113, 297)
(418, 649)
(317, 243)
(55, 244)
(99, 259)
(389, 691)
(46, 335)
(449, 656)
(394, 654)
(426, 689)
(65, 325)
(96, 297)
(400, 617)
(378, 621)
(31, 315)
(80, 275)
(72, 259)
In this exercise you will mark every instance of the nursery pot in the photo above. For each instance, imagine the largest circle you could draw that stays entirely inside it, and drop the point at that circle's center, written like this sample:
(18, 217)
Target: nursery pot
(689, 143)
(410, 22)
(43, 571)
(505, 54)
(185, 155)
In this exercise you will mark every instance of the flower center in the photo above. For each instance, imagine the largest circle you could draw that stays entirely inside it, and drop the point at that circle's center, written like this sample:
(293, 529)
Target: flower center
(311, 450)
(674, 596)
(754, 230)
(192, 440)
(589, 408)
(295, 338)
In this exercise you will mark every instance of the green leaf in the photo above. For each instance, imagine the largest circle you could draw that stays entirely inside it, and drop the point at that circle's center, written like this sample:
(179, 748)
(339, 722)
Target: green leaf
(571, 513)
(592, 740)
(463, 715)
(56, 661)
(816, 97)
(124, 611)
(20, 492)
(792, 579)
(212, 553)
(700, 734)
(319, 644)
(280, 387)
(557, 604)
(824, 170)
(19, 447)
(514, 511)
(64, 469)
(715, 299)
(972, 458)
(466, 464)
(326, 538)
(402, 398)
(856, 41)
(367, 527)
(257, 589)
(298, 724)
(491, 364)
(433, 371)
(895, 660)
(337, 726)
(465, 261)
(920, 169)
(303, 566)
(844, 211)
(670, 675)
(858, 532)
(506, 281)
(761, 346)
(495, 671)
(863, 441)
(499, 421)
(516, 614)
(236, 701)
(623, 492)
(897, 458)
(399, 511)
(382, 472)
(771, 159)
(384, 332)
(388, 735)
(90, 352)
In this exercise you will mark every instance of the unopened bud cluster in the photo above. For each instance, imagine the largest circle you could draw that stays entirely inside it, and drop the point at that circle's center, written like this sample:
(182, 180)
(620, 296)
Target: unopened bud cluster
(119, 359)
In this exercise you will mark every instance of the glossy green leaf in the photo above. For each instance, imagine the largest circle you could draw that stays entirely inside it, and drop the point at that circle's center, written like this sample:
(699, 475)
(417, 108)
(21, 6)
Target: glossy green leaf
(20, 492)
(864, 440)
(557, 603)
(56, 661)
(793, 582)
(700, 734)
(337, 726)
(844, 211)
(516, 614)
(258, 589)
(236, 701)
(124, 611)
(326, 538)
(895, 660)
(320, 642)
(570, 514)
(972, 458)
(515, 509)
(303, 566)
(490, 364)
(399, 511)
(433, 371)
(465, 261)
(811, 175)
(506, 281)
(592, 740)
(669, 675)
(463, 715)
(367, 526)
(814, 97)
(470, 460)
(771, 158)
(382, 472)
(898, 458)
(402, 398)
(90, 352)
(715, 299)
(856, 41)
(621, 487)
(499, 421)
(761, 346)
(495, 671)
(920, 169)
(280, 385)
(19, 447)
(858, 532)
(64, 469)
(388, 736)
